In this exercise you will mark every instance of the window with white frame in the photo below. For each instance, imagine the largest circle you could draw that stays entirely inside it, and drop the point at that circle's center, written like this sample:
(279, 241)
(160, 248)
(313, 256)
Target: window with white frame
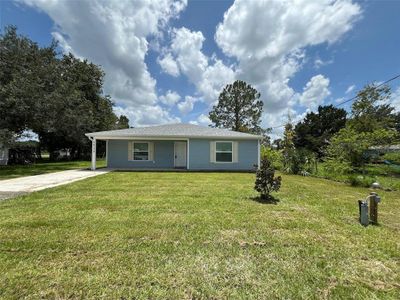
(223, 151)
(140, 151)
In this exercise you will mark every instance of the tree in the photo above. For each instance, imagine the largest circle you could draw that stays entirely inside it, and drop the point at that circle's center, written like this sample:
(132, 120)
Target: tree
(288, 148)
(266, 140)
(77, 107)
(238, 108)
(370, 110)
(315, 131)
(266, 182)
(60, 98)
(122, 122)
(348, 148)
(27, 81)
(277, 144)
(397, 122)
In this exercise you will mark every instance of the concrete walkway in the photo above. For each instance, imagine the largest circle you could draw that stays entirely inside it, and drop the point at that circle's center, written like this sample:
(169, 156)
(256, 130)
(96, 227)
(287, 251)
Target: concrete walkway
(13, 187)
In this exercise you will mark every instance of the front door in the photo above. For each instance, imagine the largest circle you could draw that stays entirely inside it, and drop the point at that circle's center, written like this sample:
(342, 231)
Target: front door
(180, 155)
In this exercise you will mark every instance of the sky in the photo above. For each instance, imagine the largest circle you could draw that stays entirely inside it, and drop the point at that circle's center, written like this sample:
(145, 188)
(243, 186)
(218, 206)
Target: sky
(167, 61)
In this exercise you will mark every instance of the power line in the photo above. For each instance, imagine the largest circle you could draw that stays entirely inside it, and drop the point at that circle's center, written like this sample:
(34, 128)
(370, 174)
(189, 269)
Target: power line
(351, 99)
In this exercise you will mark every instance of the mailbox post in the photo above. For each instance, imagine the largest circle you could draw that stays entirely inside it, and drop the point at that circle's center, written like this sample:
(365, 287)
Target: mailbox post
(363, 211)
(374, 199)
(364, 219)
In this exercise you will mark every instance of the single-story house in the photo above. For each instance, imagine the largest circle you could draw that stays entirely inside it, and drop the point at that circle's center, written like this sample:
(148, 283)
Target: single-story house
(178, 146)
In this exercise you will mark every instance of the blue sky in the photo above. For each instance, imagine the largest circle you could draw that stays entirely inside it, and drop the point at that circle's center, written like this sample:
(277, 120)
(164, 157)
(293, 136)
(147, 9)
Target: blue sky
(167, 61)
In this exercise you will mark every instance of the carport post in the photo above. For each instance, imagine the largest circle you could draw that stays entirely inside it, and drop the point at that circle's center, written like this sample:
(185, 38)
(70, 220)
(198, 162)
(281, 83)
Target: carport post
(93, 153)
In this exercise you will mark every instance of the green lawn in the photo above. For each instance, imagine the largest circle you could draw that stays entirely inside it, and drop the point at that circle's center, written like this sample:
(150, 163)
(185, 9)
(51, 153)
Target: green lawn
(14, 171)
(197, 235)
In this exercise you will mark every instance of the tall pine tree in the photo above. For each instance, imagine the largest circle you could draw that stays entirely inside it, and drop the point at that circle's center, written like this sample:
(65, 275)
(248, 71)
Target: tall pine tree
(239, 108)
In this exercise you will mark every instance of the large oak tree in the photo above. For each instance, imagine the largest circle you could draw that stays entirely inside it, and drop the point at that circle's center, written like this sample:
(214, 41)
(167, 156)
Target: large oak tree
(58, 97)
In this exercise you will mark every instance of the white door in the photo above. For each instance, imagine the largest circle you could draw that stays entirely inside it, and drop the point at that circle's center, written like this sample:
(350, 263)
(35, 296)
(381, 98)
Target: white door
(180, 154)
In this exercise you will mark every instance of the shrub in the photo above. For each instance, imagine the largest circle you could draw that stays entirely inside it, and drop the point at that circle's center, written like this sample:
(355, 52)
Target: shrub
(300, 161)
(393, 157)
(338, 167)
(358, 180)
(266, 182)
(274, 156)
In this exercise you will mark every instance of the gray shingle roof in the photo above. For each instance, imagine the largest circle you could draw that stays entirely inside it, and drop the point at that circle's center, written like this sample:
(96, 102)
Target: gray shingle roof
(173, 131)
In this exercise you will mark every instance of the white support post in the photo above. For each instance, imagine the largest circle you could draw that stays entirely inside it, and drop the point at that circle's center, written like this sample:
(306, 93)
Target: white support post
(259, 155)
(93, 153)
(107, 153)
(187, 154)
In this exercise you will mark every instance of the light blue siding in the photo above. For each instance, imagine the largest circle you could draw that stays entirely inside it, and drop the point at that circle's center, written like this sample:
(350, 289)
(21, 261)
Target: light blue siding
(200, 156)
(117, 156)
(199, 152)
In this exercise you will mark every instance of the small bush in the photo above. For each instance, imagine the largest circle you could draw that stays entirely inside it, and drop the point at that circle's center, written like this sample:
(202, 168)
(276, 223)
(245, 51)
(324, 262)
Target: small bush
(266, 182)
(393, 157)
(358, 180)
(334, 166)
(274, 156)
(300, 161)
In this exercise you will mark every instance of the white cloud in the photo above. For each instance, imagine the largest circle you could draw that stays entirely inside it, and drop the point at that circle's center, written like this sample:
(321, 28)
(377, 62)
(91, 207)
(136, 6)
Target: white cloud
(169, 65)
(204, 120)
(318, 62)
(315, 91)
(339, 100)
(350, 89)
(208, 75)
(186, 106)
(274, 28)
(170, 98)
(146, 115)
(114, 34)
(269, 38)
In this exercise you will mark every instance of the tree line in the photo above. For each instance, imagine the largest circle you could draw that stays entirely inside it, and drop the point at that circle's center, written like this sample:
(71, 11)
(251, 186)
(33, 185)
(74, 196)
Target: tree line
(58, 97)
(331, 135)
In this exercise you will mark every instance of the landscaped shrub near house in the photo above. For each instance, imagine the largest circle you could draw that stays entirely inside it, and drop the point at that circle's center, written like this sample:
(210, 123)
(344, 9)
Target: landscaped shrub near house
(266, 182)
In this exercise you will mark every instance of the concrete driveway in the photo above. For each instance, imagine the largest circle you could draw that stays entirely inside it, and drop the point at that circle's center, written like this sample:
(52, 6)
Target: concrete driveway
(13, 187)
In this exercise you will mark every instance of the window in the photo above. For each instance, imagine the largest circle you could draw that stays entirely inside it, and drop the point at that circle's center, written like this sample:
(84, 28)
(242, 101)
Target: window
(223, 151)
(140, 151)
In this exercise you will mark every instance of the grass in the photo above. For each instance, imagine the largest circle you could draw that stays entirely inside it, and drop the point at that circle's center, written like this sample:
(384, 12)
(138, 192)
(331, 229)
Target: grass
(14, 171)
(197, 235)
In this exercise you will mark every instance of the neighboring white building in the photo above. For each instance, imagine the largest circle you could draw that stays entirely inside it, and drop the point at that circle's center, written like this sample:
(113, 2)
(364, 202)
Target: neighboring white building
(385, 149)
(3, 155)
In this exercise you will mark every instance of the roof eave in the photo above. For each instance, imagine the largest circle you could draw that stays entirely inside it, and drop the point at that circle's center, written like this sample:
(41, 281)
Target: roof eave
(149, 137)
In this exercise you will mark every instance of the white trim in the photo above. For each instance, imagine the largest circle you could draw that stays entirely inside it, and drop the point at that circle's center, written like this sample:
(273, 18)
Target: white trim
(224, 162)
(148, 151)
(107, 153)
(170, 138)
(258, 155)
